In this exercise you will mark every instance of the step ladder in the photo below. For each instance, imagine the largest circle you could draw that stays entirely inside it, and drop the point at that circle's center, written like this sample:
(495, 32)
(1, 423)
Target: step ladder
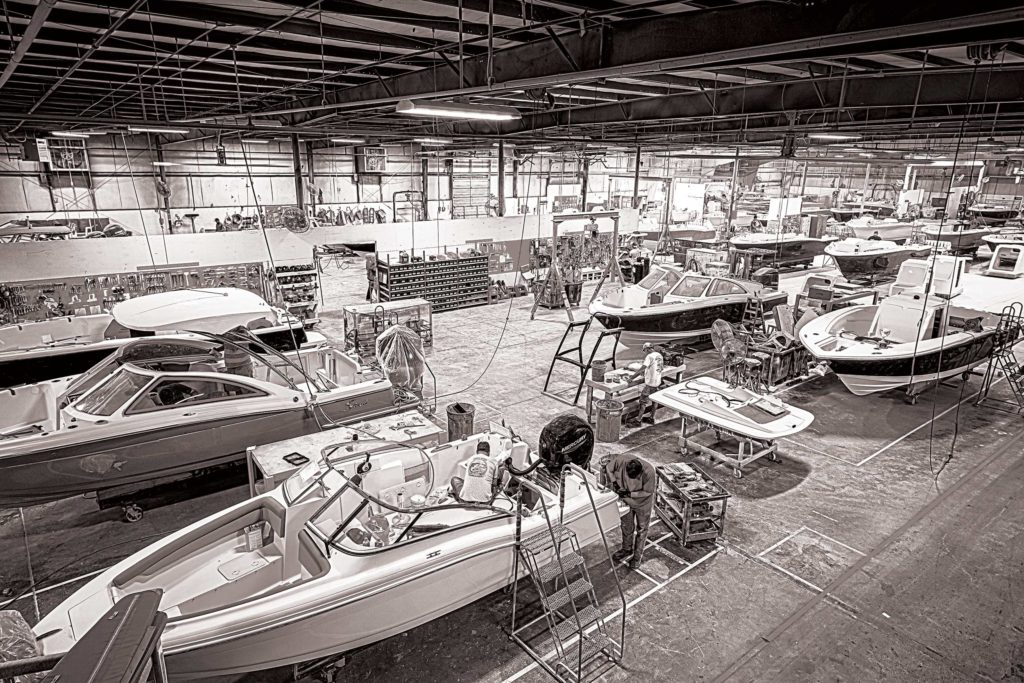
(579, 639)
(565, 355)
(753, 320)
(1009, 333)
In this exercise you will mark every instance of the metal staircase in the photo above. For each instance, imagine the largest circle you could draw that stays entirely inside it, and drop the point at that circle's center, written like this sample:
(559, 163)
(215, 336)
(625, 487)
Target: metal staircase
(578, 637)
(1009, 333)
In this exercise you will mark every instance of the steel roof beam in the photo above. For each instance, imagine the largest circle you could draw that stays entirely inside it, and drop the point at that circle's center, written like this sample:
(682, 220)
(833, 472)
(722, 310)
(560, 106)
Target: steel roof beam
(715, 38)
(35, 23)
(938, 86)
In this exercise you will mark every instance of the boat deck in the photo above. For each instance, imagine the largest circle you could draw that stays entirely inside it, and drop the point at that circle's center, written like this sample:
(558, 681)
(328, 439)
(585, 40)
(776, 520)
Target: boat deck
(883, 545)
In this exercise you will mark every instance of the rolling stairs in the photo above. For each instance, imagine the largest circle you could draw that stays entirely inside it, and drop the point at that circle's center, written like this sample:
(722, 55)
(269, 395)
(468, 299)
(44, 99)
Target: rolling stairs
(571, 638)
(1009, 333)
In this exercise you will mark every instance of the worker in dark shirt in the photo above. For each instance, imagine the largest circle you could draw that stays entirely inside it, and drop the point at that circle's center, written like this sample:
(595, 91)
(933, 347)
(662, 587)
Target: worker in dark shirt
(633, 478)
(875, 236)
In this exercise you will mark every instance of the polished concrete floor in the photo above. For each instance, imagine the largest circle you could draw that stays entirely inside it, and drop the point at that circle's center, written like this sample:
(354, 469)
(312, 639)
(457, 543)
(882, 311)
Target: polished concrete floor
(886, 544)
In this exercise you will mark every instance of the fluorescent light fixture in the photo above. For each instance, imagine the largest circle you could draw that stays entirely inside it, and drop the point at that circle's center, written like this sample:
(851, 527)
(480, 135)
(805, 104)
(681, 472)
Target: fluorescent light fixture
(958, 163)
(165, 163)
(348, 141)
(542, 147)
(833, 136)
(433, 141)
(68, 134)
(458, 110)
(1015, 149)
(179, 131)
(255, 141)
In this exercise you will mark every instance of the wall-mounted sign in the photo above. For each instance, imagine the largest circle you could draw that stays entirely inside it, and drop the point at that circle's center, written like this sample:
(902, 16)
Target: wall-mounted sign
(371, 159)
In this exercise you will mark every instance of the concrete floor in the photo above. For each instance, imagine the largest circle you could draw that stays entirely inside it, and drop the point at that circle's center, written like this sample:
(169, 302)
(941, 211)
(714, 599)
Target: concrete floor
(886, 544)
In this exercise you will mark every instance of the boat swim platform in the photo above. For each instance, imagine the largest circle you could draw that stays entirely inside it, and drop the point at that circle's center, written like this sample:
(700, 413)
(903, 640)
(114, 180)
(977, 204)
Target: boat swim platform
(848, 557)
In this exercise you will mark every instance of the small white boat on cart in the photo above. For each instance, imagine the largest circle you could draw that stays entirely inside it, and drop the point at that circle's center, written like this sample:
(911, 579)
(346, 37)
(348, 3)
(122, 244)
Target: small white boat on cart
(360, 544)
(756, 421)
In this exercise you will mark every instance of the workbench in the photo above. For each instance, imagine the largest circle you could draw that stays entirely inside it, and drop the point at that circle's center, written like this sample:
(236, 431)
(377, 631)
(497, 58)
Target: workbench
(625, 391)
(271, 464)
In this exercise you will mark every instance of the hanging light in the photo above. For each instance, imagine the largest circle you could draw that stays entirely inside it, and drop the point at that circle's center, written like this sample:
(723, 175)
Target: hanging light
(433, 141)
(169, 131)
(834, 136)
(68, 134)
(458, 110)
(348, 141)
(165, 163)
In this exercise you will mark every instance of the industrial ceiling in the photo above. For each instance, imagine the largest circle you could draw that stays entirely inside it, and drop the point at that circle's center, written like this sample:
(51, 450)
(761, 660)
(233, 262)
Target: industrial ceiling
(600, 73)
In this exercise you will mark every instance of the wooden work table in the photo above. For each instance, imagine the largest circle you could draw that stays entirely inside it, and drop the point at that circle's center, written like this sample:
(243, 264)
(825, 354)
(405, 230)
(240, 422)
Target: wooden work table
(626, 391)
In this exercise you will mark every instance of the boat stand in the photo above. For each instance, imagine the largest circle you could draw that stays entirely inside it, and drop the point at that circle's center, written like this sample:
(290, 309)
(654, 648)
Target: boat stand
(564, 355)
(571, 627)
(747, 451)
(1009, 333)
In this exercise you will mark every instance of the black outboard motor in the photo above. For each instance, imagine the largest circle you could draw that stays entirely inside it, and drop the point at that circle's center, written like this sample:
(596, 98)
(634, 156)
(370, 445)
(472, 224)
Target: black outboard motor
(566, 439)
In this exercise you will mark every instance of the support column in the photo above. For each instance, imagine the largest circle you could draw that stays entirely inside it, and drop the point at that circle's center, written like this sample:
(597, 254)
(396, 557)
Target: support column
(636, 179)
(164, 200)
(501, 177)
(425, 184)
(297, 161)
(732, 193)
(584, 180)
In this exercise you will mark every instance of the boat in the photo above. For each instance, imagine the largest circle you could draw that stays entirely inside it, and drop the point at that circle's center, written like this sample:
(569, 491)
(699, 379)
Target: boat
(860, 258)
(1011, 237)
(907, 340)
(987, 214)
(363, 542)
(734, 409)
(672, 303)
(789, 248)
(963, 237)
(845, 213)
(33, 231)
(888, 229)
(156, 417)
(64, 347)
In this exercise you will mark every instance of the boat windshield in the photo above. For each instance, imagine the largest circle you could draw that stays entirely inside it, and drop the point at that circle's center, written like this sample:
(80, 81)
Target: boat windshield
(382, 494)
(108, 396)
(691, 286)
(652, 278)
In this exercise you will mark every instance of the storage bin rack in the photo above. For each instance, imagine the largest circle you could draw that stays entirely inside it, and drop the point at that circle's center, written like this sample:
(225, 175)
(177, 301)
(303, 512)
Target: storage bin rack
(297, 286)
(365, 322)
(447, 284)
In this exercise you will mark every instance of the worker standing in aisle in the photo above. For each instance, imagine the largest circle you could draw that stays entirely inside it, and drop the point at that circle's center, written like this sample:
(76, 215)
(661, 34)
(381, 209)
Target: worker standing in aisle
(371, 275)
(652, 369)
(237, 359)
(634, 480)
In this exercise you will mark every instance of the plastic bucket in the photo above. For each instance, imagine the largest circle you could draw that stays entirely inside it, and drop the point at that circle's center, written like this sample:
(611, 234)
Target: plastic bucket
(460, 420)
(573, 292)
(609, 419)
(597, 370)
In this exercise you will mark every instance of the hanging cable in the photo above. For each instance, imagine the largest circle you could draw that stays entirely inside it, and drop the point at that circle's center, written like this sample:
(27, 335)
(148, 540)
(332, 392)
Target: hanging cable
(138, 202)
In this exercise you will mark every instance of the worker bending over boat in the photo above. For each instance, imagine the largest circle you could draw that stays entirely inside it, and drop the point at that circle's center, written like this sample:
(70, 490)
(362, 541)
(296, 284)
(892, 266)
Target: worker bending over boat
(634, 479)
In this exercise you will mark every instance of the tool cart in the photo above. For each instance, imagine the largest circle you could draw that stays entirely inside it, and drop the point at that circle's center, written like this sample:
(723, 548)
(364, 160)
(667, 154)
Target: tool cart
(690, 503)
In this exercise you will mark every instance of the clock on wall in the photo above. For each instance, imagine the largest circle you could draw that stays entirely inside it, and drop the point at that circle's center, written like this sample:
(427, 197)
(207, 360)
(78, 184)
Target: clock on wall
(371, 159)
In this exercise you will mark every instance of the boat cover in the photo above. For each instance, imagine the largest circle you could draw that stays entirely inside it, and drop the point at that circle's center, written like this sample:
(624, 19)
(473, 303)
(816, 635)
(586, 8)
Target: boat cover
(214, 310)
(118, 648)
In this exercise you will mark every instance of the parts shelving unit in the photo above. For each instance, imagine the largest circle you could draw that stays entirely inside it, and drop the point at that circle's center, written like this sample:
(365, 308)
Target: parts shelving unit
(690, 503)
(297, 286)
(447, 284)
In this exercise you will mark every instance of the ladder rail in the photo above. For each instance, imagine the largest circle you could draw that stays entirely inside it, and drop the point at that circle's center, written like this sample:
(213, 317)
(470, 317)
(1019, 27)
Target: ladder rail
(565, 578)
(585, 477)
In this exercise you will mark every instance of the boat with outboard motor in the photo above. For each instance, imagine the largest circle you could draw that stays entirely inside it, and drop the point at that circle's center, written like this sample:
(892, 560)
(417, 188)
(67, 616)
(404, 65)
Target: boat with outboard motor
(61, 347)
(673, 303)
(789, 248)
(888, 229)
(908, 340)
(364, 542)
(147, 414)
(963, 237)
(859, 258)
(992, 215)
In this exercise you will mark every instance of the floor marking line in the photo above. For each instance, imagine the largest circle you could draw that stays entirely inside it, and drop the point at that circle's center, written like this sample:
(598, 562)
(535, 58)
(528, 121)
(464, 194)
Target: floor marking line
(791, 575)
(922, 426)
(89, 575)
(829, 538)
(818, 451)
(822, 514)
(773, 547)
(632, 603)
